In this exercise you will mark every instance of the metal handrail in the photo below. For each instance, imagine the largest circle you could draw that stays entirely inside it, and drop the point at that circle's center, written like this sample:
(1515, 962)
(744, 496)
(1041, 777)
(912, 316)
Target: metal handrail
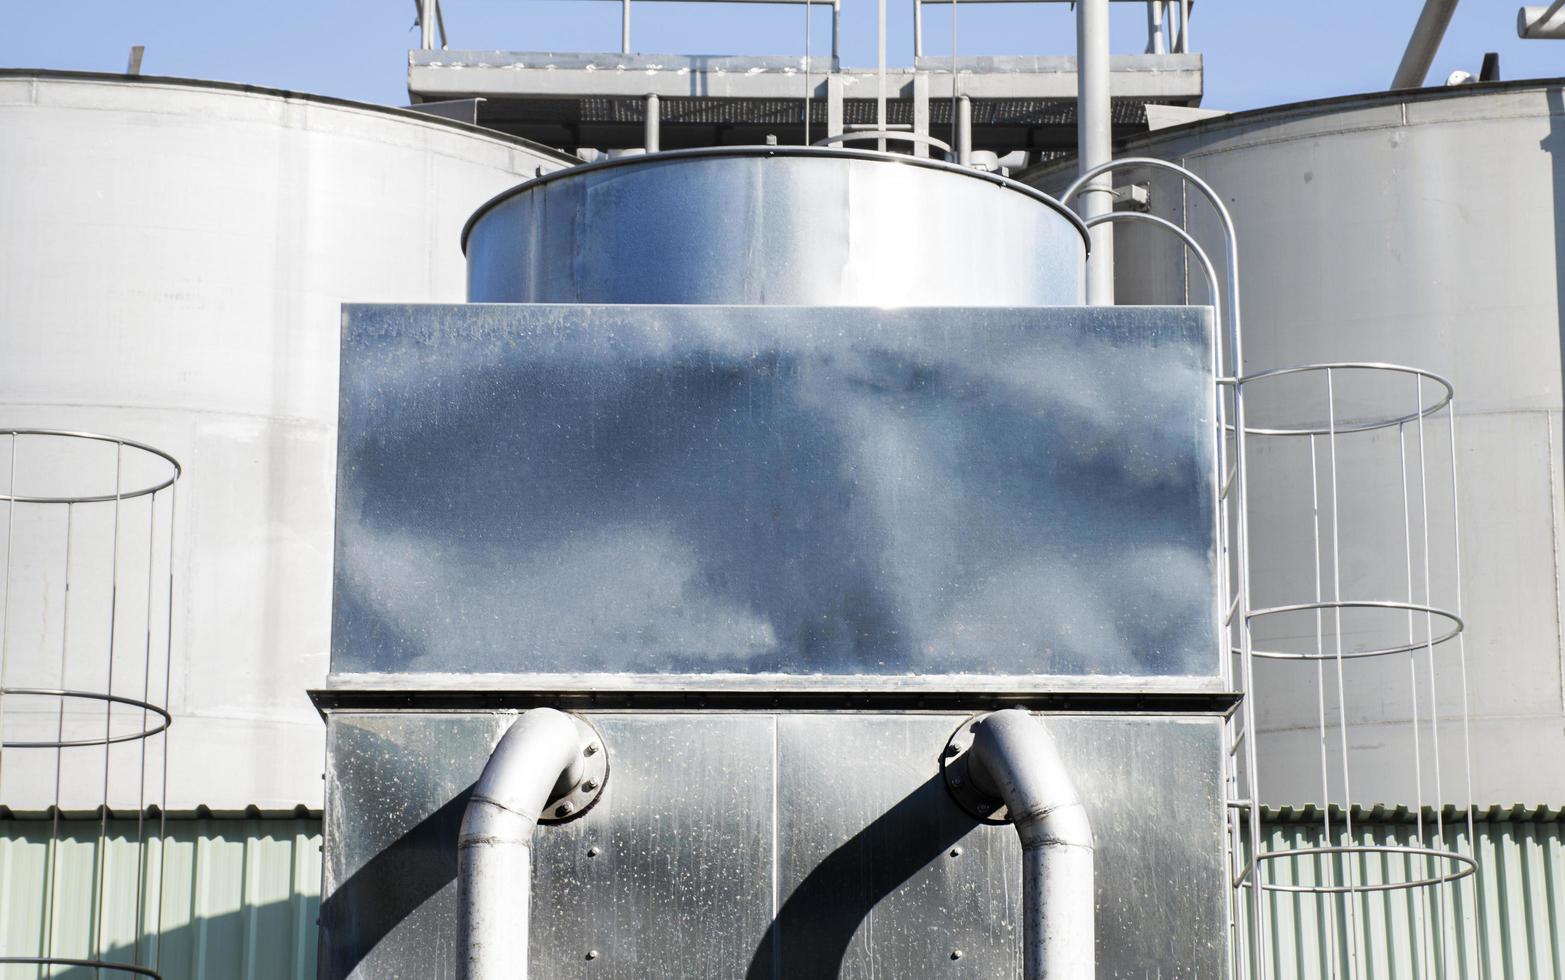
(881, 135)
(430, 16)
(1086, 182)
(1161, 35)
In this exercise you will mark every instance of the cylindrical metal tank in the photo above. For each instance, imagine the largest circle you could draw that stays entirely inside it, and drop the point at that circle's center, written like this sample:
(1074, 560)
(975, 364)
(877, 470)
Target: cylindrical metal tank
(776, 226)
(173, 256)
(1420, 228)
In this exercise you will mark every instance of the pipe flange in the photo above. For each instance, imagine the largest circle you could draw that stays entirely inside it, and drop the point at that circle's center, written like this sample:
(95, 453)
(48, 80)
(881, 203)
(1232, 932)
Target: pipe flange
(953, 766)
(584, 795)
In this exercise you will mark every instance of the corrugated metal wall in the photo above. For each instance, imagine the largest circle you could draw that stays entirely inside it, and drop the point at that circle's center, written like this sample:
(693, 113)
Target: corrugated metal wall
(1504, 922)
(241, 897)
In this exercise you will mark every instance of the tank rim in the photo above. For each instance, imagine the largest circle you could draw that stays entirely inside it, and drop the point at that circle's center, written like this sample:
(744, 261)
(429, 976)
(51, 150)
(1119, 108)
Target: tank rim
(826, 152)
(405, 113)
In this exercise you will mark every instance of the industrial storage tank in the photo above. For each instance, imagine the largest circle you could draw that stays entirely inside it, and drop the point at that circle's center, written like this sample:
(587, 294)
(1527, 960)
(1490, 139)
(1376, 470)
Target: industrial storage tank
(1377, 228)
(778, 226)
(173, 256)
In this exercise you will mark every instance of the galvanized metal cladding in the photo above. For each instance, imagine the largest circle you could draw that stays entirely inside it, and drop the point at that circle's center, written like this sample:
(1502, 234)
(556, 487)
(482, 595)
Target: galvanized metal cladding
(538, 490)
(795, 226)
(773, 844)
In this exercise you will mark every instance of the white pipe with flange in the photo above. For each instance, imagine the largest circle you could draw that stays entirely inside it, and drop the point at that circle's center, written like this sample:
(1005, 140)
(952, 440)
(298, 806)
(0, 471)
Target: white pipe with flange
(1014, 759)
(540, 757)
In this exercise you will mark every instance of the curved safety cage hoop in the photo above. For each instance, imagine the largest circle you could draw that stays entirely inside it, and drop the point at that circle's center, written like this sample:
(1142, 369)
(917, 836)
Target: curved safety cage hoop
(1386, 418)
(1459, 866)
(1144, 217)
(1452, 622)
(140, 448)
(159, 725)
(876, 135)
(104, 965)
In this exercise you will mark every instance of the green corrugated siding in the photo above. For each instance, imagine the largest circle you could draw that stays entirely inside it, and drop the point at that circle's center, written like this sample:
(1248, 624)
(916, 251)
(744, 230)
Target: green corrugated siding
(1502, 923)
(240, 896)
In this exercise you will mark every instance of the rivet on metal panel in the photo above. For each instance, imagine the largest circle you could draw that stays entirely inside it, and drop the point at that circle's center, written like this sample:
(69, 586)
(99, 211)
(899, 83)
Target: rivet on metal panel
(956, 954)
(591, 749)
(564, 809)
(956, 852)
(589, 785)
(593, 852)
(592, 954)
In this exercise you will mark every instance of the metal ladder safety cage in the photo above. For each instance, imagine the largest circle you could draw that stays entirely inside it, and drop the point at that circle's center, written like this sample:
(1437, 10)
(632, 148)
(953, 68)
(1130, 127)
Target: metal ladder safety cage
(1351, 401)
(84, 698)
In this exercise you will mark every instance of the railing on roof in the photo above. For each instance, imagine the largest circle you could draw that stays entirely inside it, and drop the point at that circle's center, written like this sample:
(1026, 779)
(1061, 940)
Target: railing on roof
(1168, 22)
(430, 19)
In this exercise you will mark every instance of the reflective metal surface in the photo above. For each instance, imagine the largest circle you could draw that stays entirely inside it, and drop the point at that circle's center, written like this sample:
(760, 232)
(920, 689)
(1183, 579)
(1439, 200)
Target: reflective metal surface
(579, 490)
(773, 844)
(776, 226)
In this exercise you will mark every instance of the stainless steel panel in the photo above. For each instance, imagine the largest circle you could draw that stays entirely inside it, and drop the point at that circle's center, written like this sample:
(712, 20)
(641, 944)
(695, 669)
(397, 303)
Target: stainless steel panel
(776, 226)
(679, 886)
(714, 826)
(847, 491)
(883, 875)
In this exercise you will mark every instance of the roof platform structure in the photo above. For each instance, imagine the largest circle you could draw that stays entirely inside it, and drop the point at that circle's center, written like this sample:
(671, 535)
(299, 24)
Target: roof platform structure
(615, 101)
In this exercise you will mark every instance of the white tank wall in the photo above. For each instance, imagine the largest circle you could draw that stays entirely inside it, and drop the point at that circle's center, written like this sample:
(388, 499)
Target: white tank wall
(172, 260)
(1421, 230)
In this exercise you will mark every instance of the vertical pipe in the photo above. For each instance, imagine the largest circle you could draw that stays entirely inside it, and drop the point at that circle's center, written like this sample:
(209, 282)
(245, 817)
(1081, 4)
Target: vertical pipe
(807, 93)
(1094, 141)
(1155, 43)
(918, 31)
(624, 27)
(1421, 47)
(1014, 759)
(652, 138)
(1183, 47)
(964, 131)
(538, 755)
(880, 69)
(426, 23)
(836, 34)
(955, 125)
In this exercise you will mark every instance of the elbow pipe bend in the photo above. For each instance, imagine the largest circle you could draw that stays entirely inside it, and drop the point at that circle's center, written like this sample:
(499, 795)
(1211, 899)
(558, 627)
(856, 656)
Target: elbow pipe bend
(540, 758)
(1014, 759)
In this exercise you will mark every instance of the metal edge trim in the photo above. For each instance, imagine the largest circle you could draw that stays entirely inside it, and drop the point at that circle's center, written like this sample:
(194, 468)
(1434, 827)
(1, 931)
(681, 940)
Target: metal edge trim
(524, 694)
(245, 88)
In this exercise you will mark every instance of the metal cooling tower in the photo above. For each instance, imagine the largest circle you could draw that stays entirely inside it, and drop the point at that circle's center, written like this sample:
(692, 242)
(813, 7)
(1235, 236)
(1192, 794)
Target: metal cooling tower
(679, 639)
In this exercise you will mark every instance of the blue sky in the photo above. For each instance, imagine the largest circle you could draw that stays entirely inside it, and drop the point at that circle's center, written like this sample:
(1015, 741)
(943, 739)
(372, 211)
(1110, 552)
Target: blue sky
(1258, 52)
